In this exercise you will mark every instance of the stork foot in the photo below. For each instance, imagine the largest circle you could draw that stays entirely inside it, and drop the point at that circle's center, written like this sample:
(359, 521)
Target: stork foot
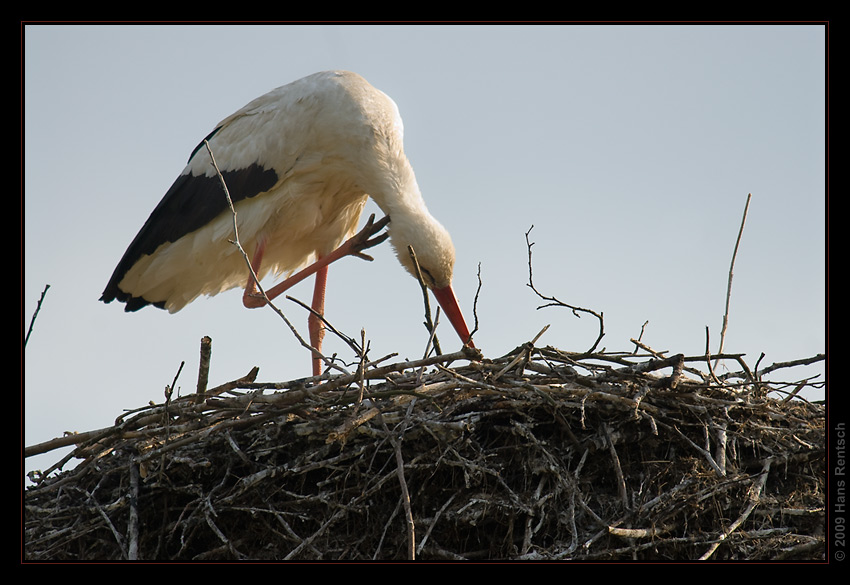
(366, 238)
(361, 240)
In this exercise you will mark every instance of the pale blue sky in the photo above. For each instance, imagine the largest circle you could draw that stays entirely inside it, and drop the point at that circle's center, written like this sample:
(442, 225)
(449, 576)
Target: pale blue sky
(631, 149)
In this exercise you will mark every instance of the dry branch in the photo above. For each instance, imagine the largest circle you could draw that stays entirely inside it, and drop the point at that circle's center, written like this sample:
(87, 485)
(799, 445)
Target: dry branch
(35, 313)
(552, 301)
(731, 274)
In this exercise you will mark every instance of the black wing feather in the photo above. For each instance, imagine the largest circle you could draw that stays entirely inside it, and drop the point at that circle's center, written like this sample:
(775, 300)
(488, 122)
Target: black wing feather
(190, 204)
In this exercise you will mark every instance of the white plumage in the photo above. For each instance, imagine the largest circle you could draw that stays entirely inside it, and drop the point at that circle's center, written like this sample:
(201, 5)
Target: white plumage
(299, 163)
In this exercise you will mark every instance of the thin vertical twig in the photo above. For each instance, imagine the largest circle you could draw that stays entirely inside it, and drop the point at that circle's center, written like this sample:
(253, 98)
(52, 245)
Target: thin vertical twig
(711, 373)
(729, 283)
(475, 306)
(133, 520)
(204, 367)
(169, 392)
(618, 470)
(429, 324)
(35, 314)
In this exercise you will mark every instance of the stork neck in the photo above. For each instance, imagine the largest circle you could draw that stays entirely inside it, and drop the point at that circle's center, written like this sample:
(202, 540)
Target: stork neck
(399, 196)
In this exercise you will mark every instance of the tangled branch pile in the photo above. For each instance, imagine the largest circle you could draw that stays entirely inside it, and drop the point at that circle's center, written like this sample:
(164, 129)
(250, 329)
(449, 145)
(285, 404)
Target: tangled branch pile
(540, 454)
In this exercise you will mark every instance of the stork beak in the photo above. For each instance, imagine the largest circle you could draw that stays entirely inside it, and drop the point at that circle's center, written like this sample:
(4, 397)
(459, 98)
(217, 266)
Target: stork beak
(446, 297)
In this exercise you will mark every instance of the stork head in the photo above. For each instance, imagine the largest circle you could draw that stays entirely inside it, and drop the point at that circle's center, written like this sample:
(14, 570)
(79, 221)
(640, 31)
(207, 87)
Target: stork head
(435, 255)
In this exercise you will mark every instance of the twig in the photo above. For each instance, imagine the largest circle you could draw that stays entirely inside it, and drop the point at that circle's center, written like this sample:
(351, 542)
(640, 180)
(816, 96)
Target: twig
(432, 338)
(433, 523)
(350, 341)
(708, 358)
(731, 272)
(554, 302)
(779, 365)
(796, 390)
(704, 453)
(636, 532)
(35, 314)
(118, 538)
(618, 470)
(475, 307)
(637, 341)
(720, 451)
(429, 325)
(361, 366)
(169, 390)
(204, 366)
(133, 521)
(525, 354)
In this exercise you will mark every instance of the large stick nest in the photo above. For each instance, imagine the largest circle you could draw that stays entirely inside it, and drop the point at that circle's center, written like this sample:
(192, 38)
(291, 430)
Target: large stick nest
(541, 454)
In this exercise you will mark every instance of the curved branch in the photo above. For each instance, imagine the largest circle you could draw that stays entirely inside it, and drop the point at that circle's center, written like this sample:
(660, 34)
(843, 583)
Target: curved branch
(554, 302)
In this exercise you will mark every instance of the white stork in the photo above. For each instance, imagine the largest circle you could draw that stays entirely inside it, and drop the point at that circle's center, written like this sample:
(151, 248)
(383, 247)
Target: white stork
(299, 163)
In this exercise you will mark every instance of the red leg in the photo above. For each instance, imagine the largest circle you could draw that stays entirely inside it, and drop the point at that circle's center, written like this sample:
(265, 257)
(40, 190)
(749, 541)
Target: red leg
(315, 324)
